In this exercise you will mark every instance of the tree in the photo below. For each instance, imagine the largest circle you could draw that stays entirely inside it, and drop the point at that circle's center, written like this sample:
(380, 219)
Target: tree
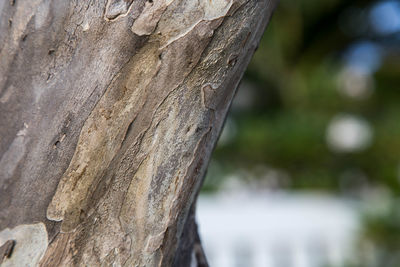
(110, 111)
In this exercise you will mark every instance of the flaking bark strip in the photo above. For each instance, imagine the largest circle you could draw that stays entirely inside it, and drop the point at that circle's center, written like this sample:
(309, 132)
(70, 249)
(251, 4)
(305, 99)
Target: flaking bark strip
(29, 243)
(154, 202)
(117, 8)
(104, 131)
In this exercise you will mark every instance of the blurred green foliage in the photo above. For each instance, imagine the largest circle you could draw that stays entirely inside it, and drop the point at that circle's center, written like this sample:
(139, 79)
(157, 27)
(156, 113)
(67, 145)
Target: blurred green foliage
(292, 87)
(294, 78)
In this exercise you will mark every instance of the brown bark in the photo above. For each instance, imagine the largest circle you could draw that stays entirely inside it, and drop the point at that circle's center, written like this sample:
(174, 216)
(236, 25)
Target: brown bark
(109, 113)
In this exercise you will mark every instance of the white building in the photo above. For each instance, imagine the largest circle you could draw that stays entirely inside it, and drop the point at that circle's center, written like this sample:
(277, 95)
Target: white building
(276, 230)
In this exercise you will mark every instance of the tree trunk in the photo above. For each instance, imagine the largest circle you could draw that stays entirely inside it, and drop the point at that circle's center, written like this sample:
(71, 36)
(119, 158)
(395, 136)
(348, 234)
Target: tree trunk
(110, 110)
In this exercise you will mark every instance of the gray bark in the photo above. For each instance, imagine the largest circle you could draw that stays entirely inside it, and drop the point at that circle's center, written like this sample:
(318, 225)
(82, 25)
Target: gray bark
(110, 110)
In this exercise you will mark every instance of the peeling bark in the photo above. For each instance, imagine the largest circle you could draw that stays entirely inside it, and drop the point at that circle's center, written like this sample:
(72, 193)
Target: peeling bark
(110, 112)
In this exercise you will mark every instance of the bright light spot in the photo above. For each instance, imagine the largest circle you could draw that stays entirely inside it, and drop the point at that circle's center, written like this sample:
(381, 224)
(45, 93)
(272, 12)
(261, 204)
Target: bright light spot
(385, 17)
(355, 84)
(348, 133)
(365, 57)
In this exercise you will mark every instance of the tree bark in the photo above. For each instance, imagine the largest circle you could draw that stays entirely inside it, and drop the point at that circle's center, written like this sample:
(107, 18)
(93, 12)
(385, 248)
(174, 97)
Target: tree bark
(110, 110)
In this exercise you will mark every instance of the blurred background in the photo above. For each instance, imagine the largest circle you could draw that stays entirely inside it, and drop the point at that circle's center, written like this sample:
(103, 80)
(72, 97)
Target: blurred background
(307, 169)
